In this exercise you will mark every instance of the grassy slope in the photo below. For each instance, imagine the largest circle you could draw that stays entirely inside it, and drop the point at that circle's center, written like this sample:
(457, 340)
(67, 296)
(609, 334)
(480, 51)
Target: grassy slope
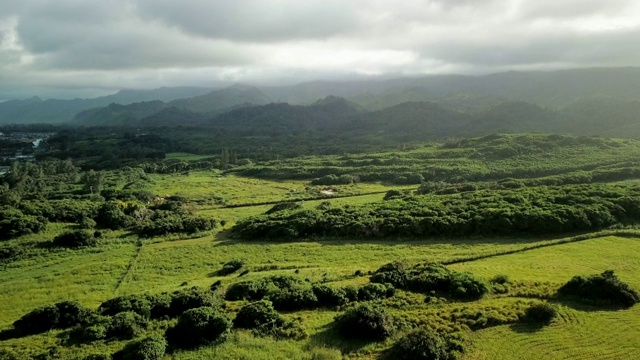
(578, 333)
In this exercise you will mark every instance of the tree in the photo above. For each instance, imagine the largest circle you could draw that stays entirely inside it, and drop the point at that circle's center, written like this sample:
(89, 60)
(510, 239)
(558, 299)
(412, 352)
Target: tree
(93, 181)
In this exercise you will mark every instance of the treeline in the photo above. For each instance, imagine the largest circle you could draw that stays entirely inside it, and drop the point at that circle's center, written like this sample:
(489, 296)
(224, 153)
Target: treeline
(539, 210)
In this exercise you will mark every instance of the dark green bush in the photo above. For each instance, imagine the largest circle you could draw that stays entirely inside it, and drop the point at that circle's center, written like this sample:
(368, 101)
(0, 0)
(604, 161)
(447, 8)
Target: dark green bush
(366, 323)
(75, 239)
(258, 289)
(160, 305)
(284, 206)
(149, 348)
(422, 344)
(93, 333)
(198, 327)
(373, 291)
(230, 267)
(540, 313)
(38, 321)
(329, 296)
(14, 223)
(138, 304)
(256, 314)
(293, 298)
(192, 298)
(111, 216)
(427, 278)
(500, 279)
(71, 314)
(126, 325)
(604, 289)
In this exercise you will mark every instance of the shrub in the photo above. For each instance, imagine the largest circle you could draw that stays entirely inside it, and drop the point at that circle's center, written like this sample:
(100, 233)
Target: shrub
(394, 273)
(192, 298)
(93, 333)
(421, 344)
(14, 223)
(38, 321)
(296, 297)
(75, 239)
(87, 223)
(126, 325)
(500, 279)
(230, 267)
(465, 286)
(246, 290)
(71, 314)
(366, 323)
(149, 348)
(372, 291)
(603, 289)
(540, 313)
(283, 329)
(198, 327)
(256, 314)
(427, 278)
(284, 206)
(138, 304)
(111, 216)
(329, 296)
(160, 305)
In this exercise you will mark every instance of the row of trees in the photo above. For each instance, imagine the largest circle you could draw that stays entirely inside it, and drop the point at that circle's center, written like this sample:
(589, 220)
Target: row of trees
(506, 212)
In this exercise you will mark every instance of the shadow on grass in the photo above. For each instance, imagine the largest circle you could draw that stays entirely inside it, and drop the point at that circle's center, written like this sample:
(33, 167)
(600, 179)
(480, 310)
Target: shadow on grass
(7, 334)
(587, 306)
(329, 337)
(527, 327)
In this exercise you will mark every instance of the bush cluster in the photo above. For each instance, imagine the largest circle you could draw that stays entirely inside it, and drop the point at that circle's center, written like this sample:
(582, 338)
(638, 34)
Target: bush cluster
(291, 294)
(422, 344)
(365, 322)
(62, 315)
(14, 223)
(149, 348)
(603, 289)
(425, 278)
(539, 210)
(197, 327)
(230, 267)
(540, 313)
(76, 239)
(264, 320)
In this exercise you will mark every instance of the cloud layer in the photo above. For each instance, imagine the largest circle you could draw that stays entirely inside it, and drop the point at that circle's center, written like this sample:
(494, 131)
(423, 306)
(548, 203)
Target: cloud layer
(82, 48)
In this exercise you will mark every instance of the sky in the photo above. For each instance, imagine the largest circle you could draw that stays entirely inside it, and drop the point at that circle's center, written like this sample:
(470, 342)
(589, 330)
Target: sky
(87, 48)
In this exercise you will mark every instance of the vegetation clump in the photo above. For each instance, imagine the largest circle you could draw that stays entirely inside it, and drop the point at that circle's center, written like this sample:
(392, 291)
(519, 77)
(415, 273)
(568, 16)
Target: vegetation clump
(148, 348)
(126, 325)
(430, 277)
(289, 205)
(365, 322)
(76, 239)
(197, 327)
(542, 313)
(138, 304)
(423, 344)
(603, 289)
(230, 267)
(62, 315)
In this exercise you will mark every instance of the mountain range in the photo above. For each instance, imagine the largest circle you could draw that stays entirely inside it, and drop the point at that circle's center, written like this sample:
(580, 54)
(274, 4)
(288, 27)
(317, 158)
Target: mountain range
(599, 101)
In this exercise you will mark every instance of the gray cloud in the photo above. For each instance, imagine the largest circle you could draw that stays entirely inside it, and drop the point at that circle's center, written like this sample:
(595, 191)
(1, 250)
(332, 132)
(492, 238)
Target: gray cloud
(79, 47)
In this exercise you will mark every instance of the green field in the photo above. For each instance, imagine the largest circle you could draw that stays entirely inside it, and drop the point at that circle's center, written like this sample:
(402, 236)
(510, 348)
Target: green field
(95, 275)
(483, 207)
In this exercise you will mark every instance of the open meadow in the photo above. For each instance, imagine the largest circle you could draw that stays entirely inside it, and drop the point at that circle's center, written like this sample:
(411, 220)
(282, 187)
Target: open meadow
(464, 250)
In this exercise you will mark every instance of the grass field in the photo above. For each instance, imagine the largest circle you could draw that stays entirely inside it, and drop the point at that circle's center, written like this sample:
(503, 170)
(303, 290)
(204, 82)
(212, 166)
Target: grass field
(92, 276)
(124, 264)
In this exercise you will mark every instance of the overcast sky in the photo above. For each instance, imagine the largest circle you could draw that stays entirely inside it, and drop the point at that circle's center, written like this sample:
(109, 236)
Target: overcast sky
(84, 48)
